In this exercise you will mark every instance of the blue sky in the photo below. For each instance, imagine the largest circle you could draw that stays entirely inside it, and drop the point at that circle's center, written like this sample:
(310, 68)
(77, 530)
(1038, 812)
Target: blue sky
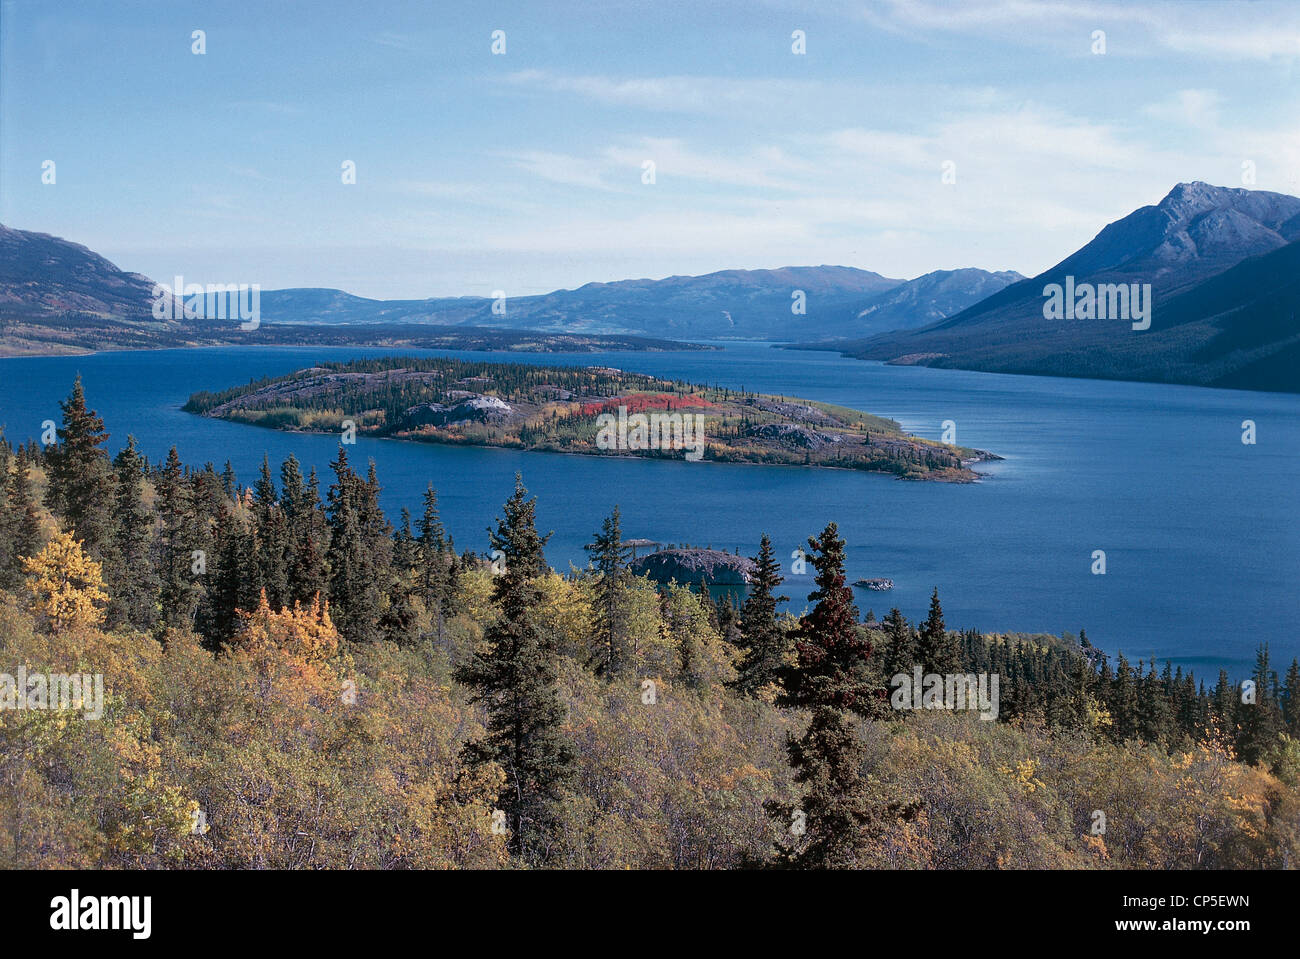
(523, 172)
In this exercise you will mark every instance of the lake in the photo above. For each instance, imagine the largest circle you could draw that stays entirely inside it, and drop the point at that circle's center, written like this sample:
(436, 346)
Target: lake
(1201, 532)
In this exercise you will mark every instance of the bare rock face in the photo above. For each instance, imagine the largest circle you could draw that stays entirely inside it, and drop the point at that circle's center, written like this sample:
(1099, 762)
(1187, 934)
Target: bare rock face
(476, 408)
(695, 567)
(793, 436)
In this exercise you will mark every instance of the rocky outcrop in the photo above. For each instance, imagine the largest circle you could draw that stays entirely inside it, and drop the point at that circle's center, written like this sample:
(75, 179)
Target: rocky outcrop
(880, 585)
(792, 436)
(695, 567)
(477, 408)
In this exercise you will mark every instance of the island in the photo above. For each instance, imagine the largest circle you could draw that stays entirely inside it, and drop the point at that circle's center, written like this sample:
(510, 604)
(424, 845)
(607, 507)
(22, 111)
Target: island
(590, 410)
(880, 585)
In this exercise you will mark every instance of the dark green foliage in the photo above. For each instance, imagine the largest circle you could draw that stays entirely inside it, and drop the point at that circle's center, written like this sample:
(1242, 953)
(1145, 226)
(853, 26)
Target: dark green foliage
(515, 677)
(763, 643)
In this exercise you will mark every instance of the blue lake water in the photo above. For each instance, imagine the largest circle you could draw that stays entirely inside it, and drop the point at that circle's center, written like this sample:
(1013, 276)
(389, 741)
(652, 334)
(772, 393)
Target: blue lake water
(1201, 532)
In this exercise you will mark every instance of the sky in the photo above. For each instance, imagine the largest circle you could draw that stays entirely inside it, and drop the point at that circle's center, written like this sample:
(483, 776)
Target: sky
(525, 170)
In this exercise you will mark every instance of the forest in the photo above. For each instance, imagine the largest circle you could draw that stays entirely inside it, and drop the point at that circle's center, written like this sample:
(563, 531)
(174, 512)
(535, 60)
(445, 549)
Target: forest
(293, 679)
(558, 409)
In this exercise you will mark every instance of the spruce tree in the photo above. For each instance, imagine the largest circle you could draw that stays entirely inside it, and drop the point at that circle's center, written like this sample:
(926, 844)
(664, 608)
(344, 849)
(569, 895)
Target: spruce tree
(81, 484)
(836, 816)
(515, 676)
(763, 643)
(1261, 721)
(1292, 700)
(356, 599)
(936, 649)
(612, 656)
(133, 597)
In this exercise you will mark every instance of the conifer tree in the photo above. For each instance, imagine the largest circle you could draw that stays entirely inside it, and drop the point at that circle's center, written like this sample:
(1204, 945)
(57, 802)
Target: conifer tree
(81, 483)
(900, 654)
(180, 589)
(1292, 700)
(837, 814)
(270, 542)
(356, 599)
(763, 643)
(1261, 721)
(612, 656)
(936, 650)
(515, 677)
(134, 593)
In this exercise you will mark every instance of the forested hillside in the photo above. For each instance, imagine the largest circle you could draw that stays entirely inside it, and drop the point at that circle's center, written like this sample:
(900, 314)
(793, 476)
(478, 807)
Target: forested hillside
(293, 679)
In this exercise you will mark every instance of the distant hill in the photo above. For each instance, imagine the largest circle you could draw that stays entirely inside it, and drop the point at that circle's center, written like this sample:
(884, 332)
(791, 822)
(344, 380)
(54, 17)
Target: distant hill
(1220, 263)
(56, 295)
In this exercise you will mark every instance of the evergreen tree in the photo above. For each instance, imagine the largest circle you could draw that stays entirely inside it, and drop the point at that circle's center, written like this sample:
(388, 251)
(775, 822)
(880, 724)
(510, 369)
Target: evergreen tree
(936, 649)
(1124, 702)
(613, 656)
(900, 654)
(763, 643)
(180, 590)
(515, 677)
(356, 599)
(270, 541)
(1292, 701)
(80, 479)
(830, 679)
(133, 596)
(1261, 721)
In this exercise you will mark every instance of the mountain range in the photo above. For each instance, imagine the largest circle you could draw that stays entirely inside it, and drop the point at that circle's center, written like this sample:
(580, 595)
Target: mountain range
(1222, 267)
(1224, 272)
(49, 282)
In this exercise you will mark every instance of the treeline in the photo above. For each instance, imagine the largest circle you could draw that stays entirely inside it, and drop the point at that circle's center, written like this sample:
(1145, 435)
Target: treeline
(293, 680)
(395, 384)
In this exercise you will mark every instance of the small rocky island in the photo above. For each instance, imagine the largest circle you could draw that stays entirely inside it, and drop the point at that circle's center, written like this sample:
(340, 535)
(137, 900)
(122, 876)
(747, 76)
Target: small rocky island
(592, 410)
(695, 567)
(880, 585)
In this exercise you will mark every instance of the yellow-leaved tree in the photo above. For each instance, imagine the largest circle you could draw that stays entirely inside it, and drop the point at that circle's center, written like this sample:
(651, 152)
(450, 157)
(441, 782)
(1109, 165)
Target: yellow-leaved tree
(66, 585)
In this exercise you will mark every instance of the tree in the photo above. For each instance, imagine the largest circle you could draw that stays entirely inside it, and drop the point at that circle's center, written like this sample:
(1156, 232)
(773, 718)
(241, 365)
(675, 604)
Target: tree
(514, 676)
(354, 561)
(270, 540)
(935, 647)
(837, 816)
(763, 643)
(135, 588)
(900, 648)
(177, 545)
(81, 482)
(1293, 699)
(1261, 721)
(66, 585)
(612, 656)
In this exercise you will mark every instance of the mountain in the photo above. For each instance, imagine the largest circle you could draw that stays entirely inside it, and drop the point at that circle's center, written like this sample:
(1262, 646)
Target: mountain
(928, 298)
(1219, 301)
(59, 297)
(737, 304)
(60, 294)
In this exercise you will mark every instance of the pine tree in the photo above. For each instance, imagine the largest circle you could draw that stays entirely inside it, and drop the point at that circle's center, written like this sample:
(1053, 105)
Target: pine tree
(307, 534)
(435, 561)
(837, 815)
(515, 677)
(1261, 721)
(176, 546)
(271, 541)
(1292, 702)
(1124, 702)
(900, 654)
(936, 649)
(134, 593)
(81, 480)
(763, 643)
(612, 656)
(356, 598)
